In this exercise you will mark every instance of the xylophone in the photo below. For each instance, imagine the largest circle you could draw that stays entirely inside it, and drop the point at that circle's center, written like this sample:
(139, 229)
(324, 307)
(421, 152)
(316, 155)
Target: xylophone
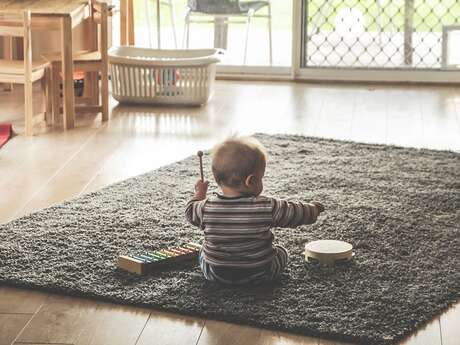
(147, 262)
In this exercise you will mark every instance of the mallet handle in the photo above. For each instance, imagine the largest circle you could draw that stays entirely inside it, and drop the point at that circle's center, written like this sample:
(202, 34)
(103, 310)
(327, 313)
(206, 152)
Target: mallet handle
(200, 156)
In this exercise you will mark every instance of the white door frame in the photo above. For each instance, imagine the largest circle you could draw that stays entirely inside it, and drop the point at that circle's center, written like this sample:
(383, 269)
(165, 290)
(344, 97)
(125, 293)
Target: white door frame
(366, 75)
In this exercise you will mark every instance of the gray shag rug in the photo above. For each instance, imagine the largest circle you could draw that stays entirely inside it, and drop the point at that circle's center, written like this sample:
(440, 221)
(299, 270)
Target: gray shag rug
(399, 207)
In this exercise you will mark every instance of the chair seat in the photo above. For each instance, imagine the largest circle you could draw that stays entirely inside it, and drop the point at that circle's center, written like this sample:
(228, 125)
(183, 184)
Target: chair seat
(16, 67)
(252, 5)
(12, 71)
(241, 8)
(81, 56)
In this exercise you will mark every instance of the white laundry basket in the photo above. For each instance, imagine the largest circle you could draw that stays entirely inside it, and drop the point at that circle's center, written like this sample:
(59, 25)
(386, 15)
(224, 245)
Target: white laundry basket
(152, 76)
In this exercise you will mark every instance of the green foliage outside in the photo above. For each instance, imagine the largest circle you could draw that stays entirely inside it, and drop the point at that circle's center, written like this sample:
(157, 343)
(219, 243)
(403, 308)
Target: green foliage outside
(429, 15)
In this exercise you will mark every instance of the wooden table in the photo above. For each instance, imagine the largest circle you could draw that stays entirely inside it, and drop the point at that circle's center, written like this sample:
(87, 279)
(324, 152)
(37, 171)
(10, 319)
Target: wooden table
(61, 15)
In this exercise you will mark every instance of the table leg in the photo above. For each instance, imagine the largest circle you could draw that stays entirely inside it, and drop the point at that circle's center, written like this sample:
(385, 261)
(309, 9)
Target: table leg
(67, 72)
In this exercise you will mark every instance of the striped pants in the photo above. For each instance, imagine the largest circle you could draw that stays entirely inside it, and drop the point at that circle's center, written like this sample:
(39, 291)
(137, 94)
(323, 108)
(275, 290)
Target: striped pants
(253, 276)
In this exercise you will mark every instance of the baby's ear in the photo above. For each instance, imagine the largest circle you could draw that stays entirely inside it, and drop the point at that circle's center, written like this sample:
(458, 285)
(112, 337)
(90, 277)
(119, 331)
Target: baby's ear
(249, 180)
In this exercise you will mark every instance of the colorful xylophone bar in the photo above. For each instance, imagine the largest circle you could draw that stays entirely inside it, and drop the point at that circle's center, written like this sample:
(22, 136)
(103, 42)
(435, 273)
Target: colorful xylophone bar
(146, 262)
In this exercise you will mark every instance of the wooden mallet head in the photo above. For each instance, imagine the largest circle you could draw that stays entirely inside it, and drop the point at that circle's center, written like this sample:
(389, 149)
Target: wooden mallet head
(200, 156)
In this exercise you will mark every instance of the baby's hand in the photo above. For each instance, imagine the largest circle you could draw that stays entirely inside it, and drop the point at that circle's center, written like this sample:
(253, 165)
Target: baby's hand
(201, 188)
(319, 205)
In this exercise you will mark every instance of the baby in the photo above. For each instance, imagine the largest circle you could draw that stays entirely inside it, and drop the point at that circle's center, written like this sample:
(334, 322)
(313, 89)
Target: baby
(238, 243)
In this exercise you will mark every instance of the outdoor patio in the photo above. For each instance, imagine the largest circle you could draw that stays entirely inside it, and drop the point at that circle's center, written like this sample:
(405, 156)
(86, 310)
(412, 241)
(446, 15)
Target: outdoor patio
(353, 34)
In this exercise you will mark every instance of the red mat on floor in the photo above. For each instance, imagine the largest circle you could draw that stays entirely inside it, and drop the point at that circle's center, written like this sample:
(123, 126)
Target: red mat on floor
(6, 130)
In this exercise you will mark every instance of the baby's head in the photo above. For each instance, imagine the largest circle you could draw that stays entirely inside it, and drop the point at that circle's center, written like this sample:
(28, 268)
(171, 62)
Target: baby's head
(239, 164)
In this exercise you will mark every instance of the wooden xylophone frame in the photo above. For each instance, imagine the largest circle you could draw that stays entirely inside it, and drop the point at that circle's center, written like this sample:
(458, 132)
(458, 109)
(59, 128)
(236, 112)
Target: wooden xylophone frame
(149, 261)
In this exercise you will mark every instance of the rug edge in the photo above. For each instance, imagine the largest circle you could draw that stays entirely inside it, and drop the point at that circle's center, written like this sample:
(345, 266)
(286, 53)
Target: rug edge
(293, 330)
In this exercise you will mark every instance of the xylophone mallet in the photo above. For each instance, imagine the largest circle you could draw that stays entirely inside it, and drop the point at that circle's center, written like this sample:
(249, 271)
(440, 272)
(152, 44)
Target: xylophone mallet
(200, 156)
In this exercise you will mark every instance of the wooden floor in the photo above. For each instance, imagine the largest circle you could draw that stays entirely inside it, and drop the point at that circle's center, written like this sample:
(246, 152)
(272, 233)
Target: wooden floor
(36, 172)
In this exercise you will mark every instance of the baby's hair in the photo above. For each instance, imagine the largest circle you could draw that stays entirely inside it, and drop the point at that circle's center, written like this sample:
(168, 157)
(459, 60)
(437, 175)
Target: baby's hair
(235, 159)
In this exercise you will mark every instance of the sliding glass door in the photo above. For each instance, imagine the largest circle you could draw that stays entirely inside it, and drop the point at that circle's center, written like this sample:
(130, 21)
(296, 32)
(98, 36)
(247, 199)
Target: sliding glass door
(401, 39)
(374, 40)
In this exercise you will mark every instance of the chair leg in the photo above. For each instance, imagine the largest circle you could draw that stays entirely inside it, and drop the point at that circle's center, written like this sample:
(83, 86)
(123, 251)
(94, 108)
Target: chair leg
(158, 25)
(173, 22)
(28, 105)
(248, 24)
(46, 82)
(86, 86)
(55, 94)
(186, 36)
(270, 39)
(94, 88)
(105, 95)
(147, 20)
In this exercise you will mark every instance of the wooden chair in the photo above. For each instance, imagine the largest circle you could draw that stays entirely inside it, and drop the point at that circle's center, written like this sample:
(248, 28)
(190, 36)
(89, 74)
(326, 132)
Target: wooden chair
(225, 9)
(27, 71)
(93, 62)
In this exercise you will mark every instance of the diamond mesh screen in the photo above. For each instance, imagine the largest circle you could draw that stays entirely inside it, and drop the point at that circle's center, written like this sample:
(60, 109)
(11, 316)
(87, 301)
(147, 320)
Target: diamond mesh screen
(377, 33)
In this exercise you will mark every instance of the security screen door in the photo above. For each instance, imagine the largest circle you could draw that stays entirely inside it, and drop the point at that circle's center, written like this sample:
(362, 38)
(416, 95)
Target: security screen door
(381, 34)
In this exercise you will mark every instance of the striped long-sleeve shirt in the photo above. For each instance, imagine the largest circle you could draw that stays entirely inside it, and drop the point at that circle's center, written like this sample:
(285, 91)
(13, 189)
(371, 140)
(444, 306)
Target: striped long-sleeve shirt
(237, 230)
